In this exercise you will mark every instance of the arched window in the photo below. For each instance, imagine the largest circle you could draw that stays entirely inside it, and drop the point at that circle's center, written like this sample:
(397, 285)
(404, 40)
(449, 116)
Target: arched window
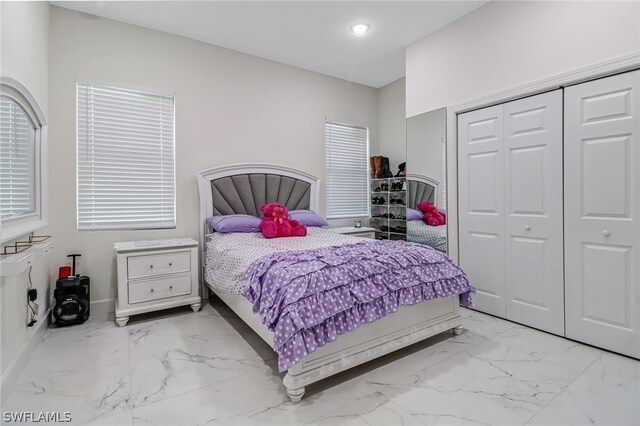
(22, 161)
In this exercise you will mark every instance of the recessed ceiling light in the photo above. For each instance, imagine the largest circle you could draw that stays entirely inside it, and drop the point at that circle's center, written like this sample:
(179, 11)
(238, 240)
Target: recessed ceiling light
(360, 29)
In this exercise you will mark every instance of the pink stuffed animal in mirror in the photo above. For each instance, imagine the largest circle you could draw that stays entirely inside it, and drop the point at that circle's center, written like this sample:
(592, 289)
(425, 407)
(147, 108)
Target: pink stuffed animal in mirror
(432, 216)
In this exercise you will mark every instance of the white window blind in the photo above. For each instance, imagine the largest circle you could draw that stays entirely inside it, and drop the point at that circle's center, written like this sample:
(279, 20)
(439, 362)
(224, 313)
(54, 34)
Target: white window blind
(347, 169)
(17, 160)
(125, 156)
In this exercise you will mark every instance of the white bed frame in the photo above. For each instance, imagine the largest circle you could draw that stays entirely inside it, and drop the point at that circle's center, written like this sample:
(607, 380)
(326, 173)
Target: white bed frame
(403, 328)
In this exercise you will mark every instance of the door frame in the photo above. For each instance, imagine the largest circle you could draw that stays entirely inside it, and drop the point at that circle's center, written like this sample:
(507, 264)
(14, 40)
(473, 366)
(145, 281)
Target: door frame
(592, 72)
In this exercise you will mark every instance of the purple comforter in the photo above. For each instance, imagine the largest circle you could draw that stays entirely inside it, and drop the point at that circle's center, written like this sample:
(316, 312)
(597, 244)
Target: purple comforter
(310, 297)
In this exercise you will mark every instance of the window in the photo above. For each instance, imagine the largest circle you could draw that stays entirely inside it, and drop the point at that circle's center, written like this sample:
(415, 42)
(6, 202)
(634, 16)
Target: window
(125, 159)
(17, 160)
(347, 169)
(22, 142)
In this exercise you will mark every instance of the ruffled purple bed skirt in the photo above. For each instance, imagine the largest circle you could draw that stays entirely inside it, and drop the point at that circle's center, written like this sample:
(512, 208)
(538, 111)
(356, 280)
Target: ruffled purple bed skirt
(308, 298)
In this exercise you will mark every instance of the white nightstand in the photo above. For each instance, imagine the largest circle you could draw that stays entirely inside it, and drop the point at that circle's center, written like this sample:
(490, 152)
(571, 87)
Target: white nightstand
(362, 232)
(156, 274)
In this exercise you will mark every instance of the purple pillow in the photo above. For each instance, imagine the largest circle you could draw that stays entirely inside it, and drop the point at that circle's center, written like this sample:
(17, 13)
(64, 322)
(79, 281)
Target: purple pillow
(307, 218)
(413, 214)
(234, 223)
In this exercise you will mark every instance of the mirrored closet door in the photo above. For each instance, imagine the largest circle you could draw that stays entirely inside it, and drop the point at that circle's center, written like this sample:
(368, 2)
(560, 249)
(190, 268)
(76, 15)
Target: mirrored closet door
(426, 176)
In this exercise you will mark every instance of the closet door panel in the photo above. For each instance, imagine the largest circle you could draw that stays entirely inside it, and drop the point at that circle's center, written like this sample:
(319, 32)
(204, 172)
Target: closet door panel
(481, 206)
(602, 212)
(533, 211)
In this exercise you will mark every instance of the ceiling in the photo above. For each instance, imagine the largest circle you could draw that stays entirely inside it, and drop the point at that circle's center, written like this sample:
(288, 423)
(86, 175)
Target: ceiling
(314, 35)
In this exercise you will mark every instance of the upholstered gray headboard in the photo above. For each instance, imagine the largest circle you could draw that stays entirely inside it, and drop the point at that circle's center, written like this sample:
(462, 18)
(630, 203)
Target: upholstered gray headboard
(422, 188)
(242, 188)
(245, 193)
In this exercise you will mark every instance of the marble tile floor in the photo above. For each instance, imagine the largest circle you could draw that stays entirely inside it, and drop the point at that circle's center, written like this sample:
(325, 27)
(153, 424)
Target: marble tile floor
(179, 368)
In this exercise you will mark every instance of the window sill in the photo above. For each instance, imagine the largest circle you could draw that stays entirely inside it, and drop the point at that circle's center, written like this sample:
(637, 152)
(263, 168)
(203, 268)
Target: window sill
(11, 232)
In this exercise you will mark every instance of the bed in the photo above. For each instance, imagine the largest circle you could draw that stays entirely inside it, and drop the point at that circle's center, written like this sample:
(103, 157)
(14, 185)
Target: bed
(423, 188)
(241, 189)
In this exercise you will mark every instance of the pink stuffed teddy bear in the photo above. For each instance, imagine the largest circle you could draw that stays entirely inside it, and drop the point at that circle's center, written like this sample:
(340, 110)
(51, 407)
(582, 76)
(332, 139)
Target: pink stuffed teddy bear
(432, 216)
(276, 222)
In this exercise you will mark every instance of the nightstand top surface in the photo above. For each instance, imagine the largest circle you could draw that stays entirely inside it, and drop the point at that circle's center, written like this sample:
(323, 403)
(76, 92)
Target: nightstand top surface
(154, 244)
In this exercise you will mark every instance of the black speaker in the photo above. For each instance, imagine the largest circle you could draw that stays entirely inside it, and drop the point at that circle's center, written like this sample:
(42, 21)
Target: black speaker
(72, 297)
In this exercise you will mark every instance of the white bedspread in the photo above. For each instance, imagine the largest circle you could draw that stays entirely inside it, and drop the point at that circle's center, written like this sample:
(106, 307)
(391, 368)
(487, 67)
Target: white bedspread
(230, 254)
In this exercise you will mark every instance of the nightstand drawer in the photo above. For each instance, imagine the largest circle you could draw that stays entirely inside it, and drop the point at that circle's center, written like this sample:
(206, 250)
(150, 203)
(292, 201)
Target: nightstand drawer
(158, 264)
(367, 234)
(362, 232)
(143, 291)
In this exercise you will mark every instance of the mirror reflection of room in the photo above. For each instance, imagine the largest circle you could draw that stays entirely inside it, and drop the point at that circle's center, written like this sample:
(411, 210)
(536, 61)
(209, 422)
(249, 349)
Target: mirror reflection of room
(426, 179)
(388, 186)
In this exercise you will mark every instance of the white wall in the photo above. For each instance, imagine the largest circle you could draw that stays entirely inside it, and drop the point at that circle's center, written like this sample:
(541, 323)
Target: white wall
(506, 44)
(230, 107)
(24, 47)
(24, 56)
(392, 124)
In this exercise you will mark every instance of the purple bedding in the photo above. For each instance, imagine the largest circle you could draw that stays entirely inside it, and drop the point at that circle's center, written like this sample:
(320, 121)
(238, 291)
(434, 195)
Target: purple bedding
(309, 297)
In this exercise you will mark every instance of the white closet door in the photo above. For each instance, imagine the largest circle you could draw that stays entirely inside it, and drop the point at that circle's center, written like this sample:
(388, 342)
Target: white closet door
(602, 212)
(481, 210)
(533, 211)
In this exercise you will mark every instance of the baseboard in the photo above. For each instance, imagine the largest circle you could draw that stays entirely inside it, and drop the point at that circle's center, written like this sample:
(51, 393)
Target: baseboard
(16, 367)
(103, 309)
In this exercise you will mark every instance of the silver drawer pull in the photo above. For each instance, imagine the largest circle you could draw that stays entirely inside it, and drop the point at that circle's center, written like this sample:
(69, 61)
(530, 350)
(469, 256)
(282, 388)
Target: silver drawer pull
(606, 233)
(527, 228)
